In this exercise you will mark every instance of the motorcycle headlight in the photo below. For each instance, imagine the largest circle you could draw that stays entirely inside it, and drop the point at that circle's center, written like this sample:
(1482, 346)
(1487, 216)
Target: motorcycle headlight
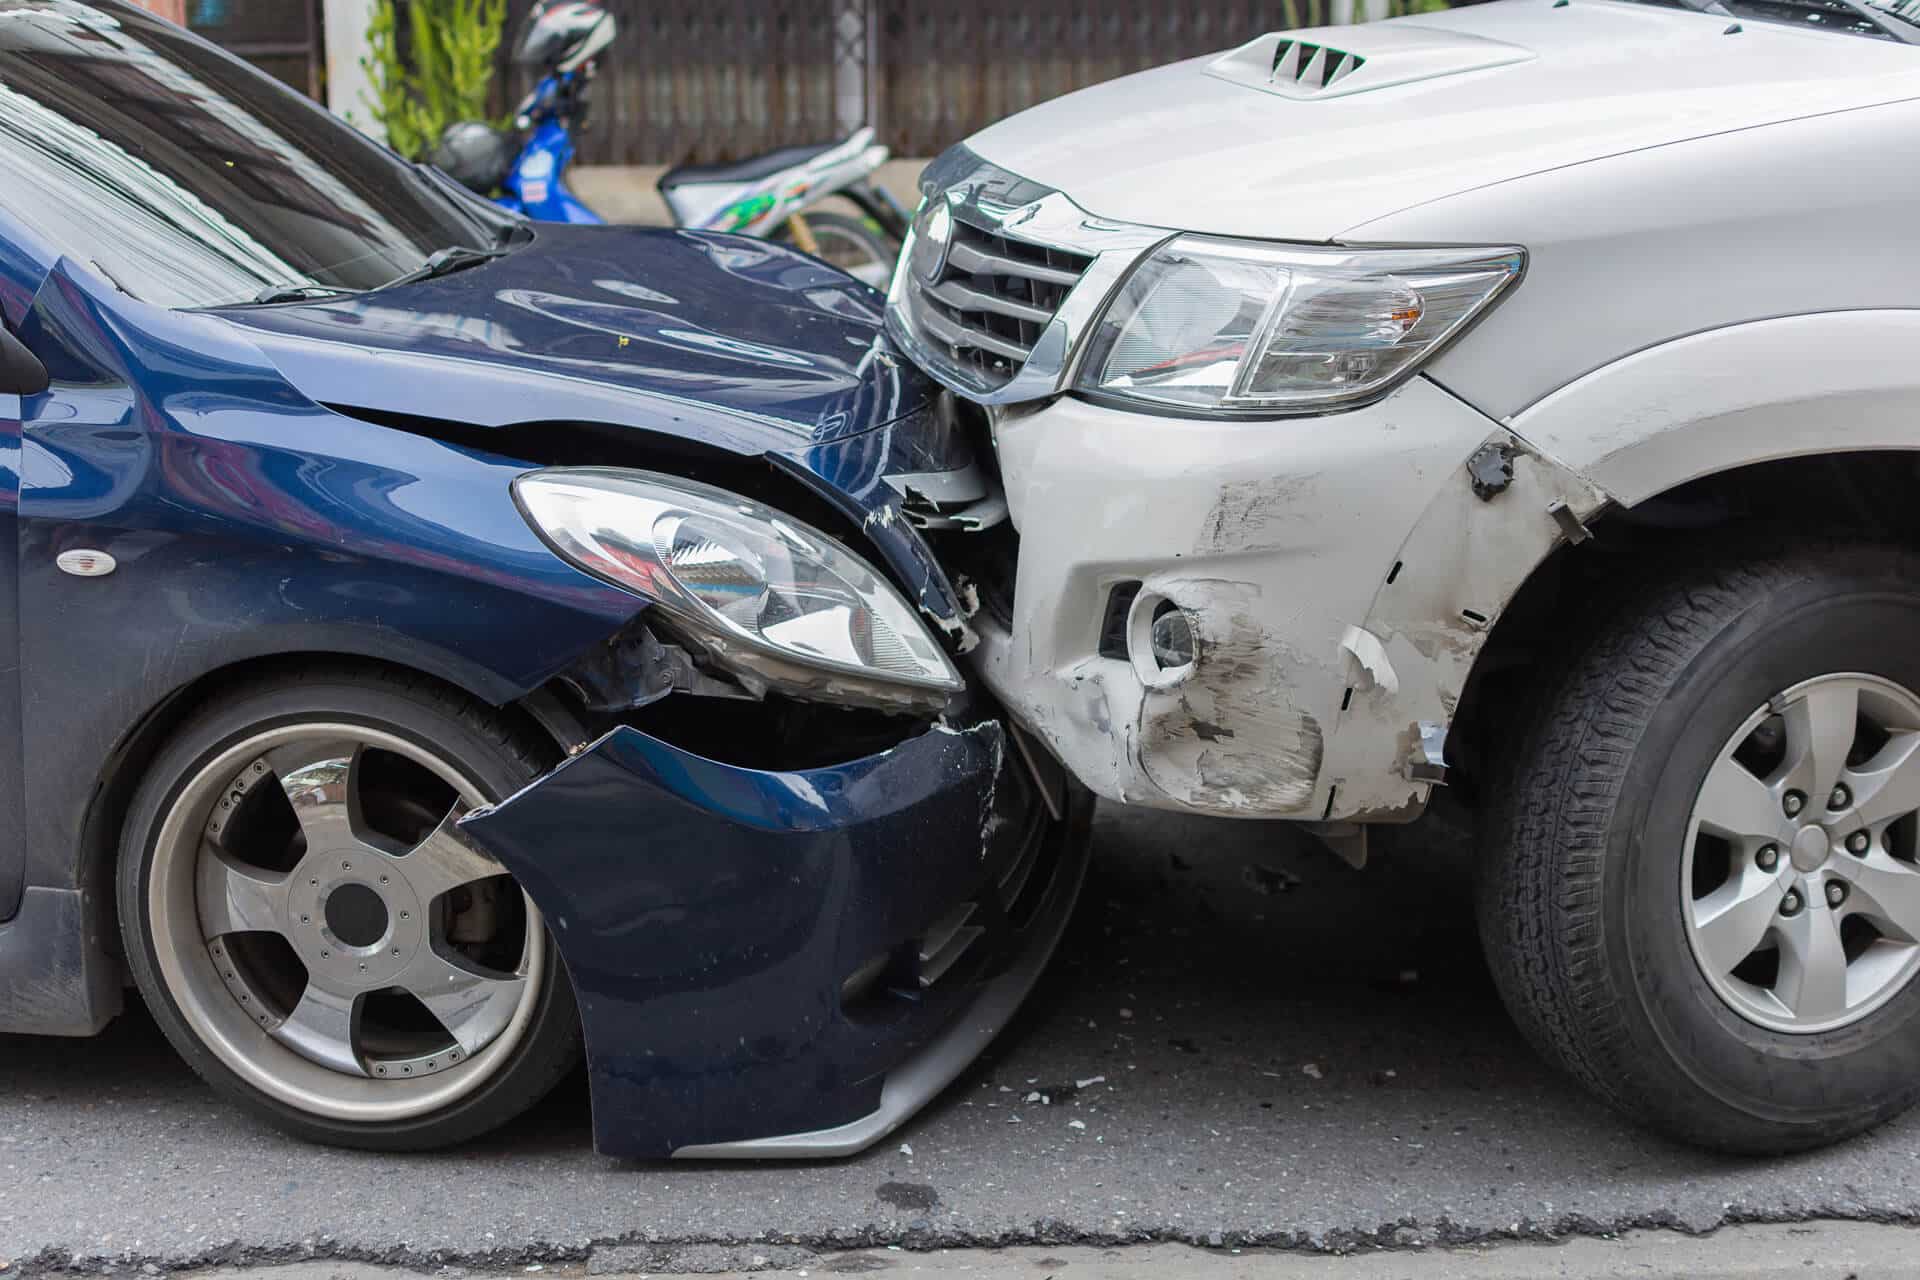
(1247, 328)
(762, 594)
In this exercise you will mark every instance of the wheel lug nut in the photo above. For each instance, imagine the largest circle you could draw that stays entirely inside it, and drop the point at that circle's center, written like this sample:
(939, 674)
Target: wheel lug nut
(1836, 893)
(1769, 857)
(1840, 798)
(1793, 802)
(1857, 843)
(1791, 904)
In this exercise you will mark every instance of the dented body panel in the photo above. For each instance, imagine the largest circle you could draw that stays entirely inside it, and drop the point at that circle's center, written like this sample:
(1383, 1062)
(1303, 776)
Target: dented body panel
(1277, 539)
(710, 915)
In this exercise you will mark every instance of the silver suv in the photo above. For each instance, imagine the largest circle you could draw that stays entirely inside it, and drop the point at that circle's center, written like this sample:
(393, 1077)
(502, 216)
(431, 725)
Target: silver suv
(1520, 400)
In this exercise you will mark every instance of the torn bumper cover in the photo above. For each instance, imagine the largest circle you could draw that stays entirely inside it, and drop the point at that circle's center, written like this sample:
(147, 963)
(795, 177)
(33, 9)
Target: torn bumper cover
(1327, 580)
(790, 964)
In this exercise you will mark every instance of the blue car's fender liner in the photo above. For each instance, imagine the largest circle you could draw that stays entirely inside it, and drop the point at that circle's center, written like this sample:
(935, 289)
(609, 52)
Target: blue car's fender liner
(710, 914)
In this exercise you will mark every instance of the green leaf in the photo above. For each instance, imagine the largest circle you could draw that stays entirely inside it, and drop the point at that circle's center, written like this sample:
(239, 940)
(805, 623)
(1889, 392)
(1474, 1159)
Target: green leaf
(438, 75)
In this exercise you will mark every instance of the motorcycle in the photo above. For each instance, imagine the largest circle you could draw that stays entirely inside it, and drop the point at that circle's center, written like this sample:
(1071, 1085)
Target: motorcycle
(774, 196)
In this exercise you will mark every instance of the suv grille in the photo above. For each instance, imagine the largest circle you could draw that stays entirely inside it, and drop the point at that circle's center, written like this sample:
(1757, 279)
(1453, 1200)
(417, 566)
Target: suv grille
(991, 299)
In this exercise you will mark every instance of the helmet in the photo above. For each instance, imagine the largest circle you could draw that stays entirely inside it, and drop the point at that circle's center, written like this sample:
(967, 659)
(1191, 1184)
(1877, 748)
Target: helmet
(563, 35)
(475, 155)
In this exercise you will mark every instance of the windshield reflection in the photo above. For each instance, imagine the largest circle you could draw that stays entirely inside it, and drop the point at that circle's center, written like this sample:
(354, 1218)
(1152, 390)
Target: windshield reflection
(188, 178)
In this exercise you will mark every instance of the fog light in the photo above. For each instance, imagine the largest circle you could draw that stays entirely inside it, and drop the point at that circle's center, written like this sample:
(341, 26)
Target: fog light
(1172, 637)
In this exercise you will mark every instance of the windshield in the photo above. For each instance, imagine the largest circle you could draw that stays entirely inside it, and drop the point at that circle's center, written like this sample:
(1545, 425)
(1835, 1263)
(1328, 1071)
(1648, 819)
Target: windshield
(1904, 12)
(1878, 19)
(189, 179)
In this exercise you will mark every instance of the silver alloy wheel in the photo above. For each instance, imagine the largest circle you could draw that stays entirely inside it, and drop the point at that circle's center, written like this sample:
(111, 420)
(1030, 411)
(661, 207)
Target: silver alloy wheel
(1799, 887)
(357, 917)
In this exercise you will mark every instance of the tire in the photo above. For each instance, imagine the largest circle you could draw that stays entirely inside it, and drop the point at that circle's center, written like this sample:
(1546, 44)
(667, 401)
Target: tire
(248, 963)
(1601, 903)
(858, 246)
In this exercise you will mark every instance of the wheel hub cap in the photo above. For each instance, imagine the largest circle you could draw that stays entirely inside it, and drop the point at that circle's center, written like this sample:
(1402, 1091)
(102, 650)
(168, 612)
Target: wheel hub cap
(356, 915)
(1810, 848)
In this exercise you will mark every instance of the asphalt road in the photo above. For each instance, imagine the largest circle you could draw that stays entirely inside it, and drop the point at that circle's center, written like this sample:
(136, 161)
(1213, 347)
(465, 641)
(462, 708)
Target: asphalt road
(1243, 1043)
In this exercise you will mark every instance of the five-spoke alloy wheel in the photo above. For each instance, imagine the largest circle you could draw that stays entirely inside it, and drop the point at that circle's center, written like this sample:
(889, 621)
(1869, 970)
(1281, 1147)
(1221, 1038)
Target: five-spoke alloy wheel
(315, 931)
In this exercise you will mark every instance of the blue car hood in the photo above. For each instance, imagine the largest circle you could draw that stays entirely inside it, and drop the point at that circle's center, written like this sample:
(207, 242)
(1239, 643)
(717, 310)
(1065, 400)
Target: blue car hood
(739, 343)
(734, 343)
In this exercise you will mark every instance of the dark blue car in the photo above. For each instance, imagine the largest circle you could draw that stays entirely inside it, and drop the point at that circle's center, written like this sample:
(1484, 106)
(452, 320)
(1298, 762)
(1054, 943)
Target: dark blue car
(431, 643)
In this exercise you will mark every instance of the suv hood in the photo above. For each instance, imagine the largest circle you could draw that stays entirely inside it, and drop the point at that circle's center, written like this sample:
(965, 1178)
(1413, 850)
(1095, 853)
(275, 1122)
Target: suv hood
(1398, 113)
(739, 343)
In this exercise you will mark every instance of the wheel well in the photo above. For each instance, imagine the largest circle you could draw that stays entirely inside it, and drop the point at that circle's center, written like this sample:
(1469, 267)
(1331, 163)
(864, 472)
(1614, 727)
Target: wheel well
(124, 769)
(1861, 495)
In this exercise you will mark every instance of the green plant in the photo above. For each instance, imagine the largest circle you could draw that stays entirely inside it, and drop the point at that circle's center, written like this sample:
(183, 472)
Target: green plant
(438, 74)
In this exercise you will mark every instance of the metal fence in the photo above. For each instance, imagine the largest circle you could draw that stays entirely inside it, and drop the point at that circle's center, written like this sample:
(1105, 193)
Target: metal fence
(716, 80)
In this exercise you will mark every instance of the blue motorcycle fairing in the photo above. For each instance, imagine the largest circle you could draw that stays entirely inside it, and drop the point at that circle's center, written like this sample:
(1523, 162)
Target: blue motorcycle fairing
(247, 521)
(537, 184)
(710, 917)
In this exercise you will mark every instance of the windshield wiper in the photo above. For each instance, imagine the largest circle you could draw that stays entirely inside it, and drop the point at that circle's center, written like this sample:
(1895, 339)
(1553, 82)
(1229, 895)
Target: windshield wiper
(1846, 17)
(446, 261)
(295, 293)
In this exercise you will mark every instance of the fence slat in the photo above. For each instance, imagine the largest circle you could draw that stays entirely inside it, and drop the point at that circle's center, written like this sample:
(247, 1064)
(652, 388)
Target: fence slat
(707, 81)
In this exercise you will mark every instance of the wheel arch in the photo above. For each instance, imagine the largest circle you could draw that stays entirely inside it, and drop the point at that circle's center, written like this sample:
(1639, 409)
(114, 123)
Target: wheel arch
(1711, 402)
(1856, 494)
(120, 774)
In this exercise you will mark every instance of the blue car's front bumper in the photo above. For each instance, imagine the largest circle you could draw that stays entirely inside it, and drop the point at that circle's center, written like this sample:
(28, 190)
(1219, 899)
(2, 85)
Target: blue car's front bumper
(791, 963)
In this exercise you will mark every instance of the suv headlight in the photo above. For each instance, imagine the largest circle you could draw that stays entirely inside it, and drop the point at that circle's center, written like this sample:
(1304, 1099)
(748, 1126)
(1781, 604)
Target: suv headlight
(760, 593)
(1249, 328)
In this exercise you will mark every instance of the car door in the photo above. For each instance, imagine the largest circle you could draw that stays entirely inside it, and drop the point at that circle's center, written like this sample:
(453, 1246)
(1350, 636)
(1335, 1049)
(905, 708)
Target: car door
(15, 364)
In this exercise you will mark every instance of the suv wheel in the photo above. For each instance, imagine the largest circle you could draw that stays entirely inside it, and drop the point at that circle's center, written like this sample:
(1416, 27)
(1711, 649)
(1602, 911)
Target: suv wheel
(314, 934)
(1701, 893)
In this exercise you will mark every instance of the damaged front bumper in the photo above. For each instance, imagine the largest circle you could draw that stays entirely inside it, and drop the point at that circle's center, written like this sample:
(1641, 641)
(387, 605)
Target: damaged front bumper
(791, 963)
(1337, 576)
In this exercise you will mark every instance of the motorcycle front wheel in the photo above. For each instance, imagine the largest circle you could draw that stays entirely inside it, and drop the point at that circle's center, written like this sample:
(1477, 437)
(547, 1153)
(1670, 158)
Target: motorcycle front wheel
(856, 245)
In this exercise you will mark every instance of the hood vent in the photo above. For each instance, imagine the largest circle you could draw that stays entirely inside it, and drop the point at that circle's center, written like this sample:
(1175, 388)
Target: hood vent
(1375, 55)
(1313, 66)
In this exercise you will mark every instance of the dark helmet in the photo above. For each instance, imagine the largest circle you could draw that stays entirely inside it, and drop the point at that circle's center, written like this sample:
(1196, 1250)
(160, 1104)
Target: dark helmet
(563, 35)
(475, 155)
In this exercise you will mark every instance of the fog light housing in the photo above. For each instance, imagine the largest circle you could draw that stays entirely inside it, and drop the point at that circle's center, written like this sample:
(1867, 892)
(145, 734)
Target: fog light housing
(1172, 637)
(1163, 642)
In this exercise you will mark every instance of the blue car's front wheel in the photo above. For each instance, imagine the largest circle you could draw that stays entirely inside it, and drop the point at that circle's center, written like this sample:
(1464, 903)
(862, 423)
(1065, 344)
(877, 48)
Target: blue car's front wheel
(313, 931)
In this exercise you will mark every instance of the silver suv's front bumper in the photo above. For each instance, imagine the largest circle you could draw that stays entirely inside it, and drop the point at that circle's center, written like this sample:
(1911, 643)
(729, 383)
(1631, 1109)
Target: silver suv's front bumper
(1324, 566)
(1339, 574)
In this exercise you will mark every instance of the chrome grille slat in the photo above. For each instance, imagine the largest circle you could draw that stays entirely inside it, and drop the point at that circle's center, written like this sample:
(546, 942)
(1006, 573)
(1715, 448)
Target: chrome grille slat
(955, 334)
(969, 257)
(963, 298)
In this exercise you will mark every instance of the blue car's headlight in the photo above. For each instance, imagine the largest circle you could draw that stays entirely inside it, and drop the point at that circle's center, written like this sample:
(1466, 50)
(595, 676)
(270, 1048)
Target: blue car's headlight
(775, 601)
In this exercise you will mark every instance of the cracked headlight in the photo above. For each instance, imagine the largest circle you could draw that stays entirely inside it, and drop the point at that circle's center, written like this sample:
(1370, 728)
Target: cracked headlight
(775, 601)
(1250, 328)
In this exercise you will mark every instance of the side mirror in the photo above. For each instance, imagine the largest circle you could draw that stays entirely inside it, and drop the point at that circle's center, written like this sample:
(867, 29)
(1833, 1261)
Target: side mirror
(21, 372)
